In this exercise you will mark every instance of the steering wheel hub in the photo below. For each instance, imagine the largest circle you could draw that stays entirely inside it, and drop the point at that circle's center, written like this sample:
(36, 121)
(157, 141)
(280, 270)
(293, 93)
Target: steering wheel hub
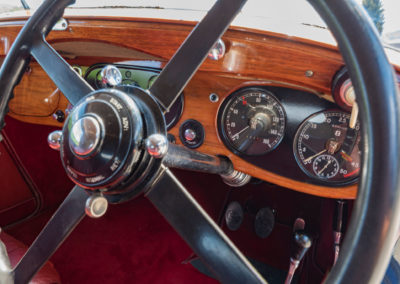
(102, 138)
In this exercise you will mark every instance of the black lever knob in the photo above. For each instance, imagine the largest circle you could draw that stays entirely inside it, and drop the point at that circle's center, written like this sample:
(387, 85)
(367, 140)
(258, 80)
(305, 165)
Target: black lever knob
(300, 244)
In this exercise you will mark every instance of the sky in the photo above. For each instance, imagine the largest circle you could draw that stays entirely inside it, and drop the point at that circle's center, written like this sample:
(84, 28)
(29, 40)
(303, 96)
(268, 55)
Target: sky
(300, 11)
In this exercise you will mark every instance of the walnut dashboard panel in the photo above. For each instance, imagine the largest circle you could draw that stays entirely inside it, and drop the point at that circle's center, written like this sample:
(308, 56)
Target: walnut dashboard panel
(252, 58)
(199, 107)
(35, 95)
(250, 53)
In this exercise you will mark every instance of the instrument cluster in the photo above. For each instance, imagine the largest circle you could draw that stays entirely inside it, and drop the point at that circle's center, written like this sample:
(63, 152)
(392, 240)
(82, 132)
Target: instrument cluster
(292, 133)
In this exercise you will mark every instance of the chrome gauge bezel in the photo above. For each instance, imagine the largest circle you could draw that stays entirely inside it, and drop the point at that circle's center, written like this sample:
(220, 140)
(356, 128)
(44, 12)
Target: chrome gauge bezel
(222, 113)
(299, 161)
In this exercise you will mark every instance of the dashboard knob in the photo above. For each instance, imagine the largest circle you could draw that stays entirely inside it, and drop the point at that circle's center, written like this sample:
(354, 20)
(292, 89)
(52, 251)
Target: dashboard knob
(54, 140)
(190, 134)
(59, 116)
(217, 51)
(110, 76)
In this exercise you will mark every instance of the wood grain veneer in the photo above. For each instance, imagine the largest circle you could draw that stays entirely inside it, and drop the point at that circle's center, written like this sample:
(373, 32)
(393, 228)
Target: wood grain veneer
(252, 57)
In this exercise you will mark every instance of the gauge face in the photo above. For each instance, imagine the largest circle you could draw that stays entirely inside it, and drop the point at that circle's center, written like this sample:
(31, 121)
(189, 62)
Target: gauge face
(326, 148)
(253, 122)
(325, 166)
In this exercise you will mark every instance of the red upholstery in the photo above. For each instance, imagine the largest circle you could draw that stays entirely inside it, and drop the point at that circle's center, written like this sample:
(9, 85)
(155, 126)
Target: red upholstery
(17, 249)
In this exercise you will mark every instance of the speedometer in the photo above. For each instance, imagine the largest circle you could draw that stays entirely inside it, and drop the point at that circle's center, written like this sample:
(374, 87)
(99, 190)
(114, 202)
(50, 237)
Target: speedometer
(326, 148)
(253, 122)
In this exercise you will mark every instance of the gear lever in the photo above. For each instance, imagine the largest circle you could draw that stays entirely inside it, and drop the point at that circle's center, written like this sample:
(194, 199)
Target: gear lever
(301, 242)
(338, 220)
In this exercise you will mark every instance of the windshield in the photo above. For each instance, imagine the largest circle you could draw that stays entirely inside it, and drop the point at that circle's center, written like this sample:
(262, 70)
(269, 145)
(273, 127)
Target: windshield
(384, 12)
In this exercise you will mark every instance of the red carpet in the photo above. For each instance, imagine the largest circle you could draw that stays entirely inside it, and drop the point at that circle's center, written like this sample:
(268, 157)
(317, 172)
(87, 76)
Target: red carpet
(132, 243)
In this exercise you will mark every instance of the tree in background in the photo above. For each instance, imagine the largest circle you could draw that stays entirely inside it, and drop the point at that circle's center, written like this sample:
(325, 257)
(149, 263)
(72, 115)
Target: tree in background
(375, 11)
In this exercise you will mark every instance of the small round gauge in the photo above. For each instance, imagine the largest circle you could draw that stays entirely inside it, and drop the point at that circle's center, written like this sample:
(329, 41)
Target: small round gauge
(326, 148)
(252, 122)
(325, 166)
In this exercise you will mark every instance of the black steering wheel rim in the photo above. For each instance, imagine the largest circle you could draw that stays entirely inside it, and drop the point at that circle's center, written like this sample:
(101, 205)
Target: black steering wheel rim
(374, 226)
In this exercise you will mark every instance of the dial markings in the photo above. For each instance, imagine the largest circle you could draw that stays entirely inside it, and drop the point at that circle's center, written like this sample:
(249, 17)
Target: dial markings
(253, 122)
(327, 149)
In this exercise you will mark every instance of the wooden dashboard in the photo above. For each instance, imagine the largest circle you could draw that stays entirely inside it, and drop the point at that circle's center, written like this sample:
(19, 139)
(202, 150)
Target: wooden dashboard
(252, 57)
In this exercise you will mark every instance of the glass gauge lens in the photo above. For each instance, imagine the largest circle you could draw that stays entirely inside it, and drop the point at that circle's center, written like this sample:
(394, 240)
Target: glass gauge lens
(326, 148)
(253, 122)
(325, 166)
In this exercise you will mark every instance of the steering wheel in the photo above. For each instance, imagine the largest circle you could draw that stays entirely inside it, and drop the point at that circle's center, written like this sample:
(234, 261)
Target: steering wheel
(113, 145)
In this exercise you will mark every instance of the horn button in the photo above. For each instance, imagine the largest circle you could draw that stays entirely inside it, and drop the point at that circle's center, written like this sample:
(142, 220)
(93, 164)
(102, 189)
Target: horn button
(101, 139)
(84, 136)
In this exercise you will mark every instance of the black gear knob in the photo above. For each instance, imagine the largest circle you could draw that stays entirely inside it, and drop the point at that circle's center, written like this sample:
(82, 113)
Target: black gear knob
(301, 242)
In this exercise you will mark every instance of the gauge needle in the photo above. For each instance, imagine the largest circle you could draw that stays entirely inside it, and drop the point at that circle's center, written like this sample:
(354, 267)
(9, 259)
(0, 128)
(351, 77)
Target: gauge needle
(237, 134)
(345, 156)
(248, 142)
(313, 156)
(324, 168)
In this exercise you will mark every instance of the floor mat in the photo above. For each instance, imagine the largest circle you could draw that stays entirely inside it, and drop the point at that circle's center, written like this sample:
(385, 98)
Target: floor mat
(132, 243)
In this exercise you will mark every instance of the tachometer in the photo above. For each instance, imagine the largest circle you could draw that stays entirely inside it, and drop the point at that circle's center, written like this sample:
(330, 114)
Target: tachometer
(326, 148)
(253, 122)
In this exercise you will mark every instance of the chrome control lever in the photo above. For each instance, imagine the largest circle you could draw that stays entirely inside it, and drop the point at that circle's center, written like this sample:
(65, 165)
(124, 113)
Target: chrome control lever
(301, 242)
(176, 156)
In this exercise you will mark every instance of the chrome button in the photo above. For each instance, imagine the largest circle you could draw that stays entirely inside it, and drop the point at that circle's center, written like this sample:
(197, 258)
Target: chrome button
(54, 139)
(190, 134)
(85, 136)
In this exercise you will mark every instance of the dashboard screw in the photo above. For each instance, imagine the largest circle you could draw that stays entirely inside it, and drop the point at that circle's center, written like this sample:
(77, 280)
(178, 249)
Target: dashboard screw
(309, 73)
(214, 97)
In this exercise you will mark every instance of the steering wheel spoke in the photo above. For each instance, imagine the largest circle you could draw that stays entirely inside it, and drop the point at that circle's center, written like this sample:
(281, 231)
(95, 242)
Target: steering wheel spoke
(185, 62)
(206, 239)
(64, 220)
(71, 84)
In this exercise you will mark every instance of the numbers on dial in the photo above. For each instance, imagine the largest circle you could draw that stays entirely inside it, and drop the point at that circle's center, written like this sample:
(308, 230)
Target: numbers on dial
(325, 166)
(253, 122)
(326, 148)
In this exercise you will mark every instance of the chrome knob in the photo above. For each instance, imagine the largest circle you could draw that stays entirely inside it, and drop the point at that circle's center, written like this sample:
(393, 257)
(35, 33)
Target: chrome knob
(157, 145)
(190, 134)
(54, 140)
(110, 76)
(217, 51)
(96, 206)
(85, 136)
